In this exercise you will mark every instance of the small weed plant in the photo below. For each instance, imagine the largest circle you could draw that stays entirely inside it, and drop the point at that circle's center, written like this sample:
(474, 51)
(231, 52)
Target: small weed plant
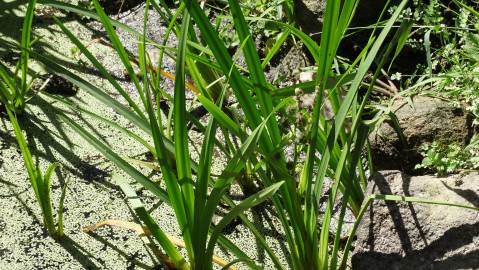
(450, 158)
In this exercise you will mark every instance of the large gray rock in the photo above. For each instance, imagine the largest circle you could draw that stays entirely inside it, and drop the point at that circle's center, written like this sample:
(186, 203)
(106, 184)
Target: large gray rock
(428, 120)
(398, 235)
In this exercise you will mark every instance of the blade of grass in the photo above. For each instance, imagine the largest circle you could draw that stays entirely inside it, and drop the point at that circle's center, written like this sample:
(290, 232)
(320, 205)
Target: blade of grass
(255, 68)
(243, 206)
(40, 185)
(100, 67)
(276, 47)
(94, 91)
(155, 230)
(119, 48)
(180, 130)
(115, 158)
(340, 117)
(25, 43)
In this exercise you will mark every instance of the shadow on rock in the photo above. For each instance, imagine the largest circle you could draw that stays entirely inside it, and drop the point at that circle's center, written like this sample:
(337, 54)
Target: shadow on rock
(405, 235)
(430, 257)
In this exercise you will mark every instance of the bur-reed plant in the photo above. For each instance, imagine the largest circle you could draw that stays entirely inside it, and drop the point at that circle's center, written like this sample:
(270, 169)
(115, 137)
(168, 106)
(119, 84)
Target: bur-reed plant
(298, 218)
(194, 206)
(253, 140)
(14, 90)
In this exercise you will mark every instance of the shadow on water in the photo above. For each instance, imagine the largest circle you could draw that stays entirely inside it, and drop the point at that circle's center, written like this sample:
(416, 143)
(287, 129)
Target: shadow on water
(263, 222)
(132, 260)
(262, 215)
(48, 142)
(79, 253)
(11, 21)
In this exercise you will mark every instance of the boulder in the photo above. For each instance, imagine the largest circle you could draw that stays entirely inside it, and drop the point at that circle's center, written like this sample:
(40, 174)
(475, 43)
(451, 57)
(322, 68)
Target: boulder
(400, 235)
(426, 120)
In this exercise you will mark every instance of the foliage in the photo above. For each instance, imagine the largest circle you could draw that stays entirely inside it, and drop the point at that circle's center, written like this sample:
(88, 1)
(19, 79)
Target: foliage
(448, 37)
(14, 87)
(449, 158)
(262, 142)
(262, 12)
(41, 184)
(252, 140)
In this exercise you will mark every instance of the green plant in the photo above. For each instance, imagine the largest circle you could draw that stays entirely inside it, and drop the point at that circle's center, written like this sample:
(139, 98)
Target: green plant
(13, 91)
(449, 158)
(445, 34)
(41, 184)
(265, 11)
(14, 88)
(189, 201)
(253, 140)
(187, 182)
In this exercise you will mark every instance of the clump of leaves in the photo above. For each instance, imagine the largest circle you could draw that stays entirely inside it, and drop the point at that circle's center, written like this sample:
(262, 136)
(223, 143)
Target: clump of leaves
(441, 33)
(450, 158)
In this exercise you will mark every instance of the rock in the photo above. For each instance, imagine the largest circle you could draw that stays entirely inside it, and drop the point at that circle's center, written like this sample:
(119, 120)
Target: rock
(430, 119)
(309, 15)
(289, 68)
(399, 235)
